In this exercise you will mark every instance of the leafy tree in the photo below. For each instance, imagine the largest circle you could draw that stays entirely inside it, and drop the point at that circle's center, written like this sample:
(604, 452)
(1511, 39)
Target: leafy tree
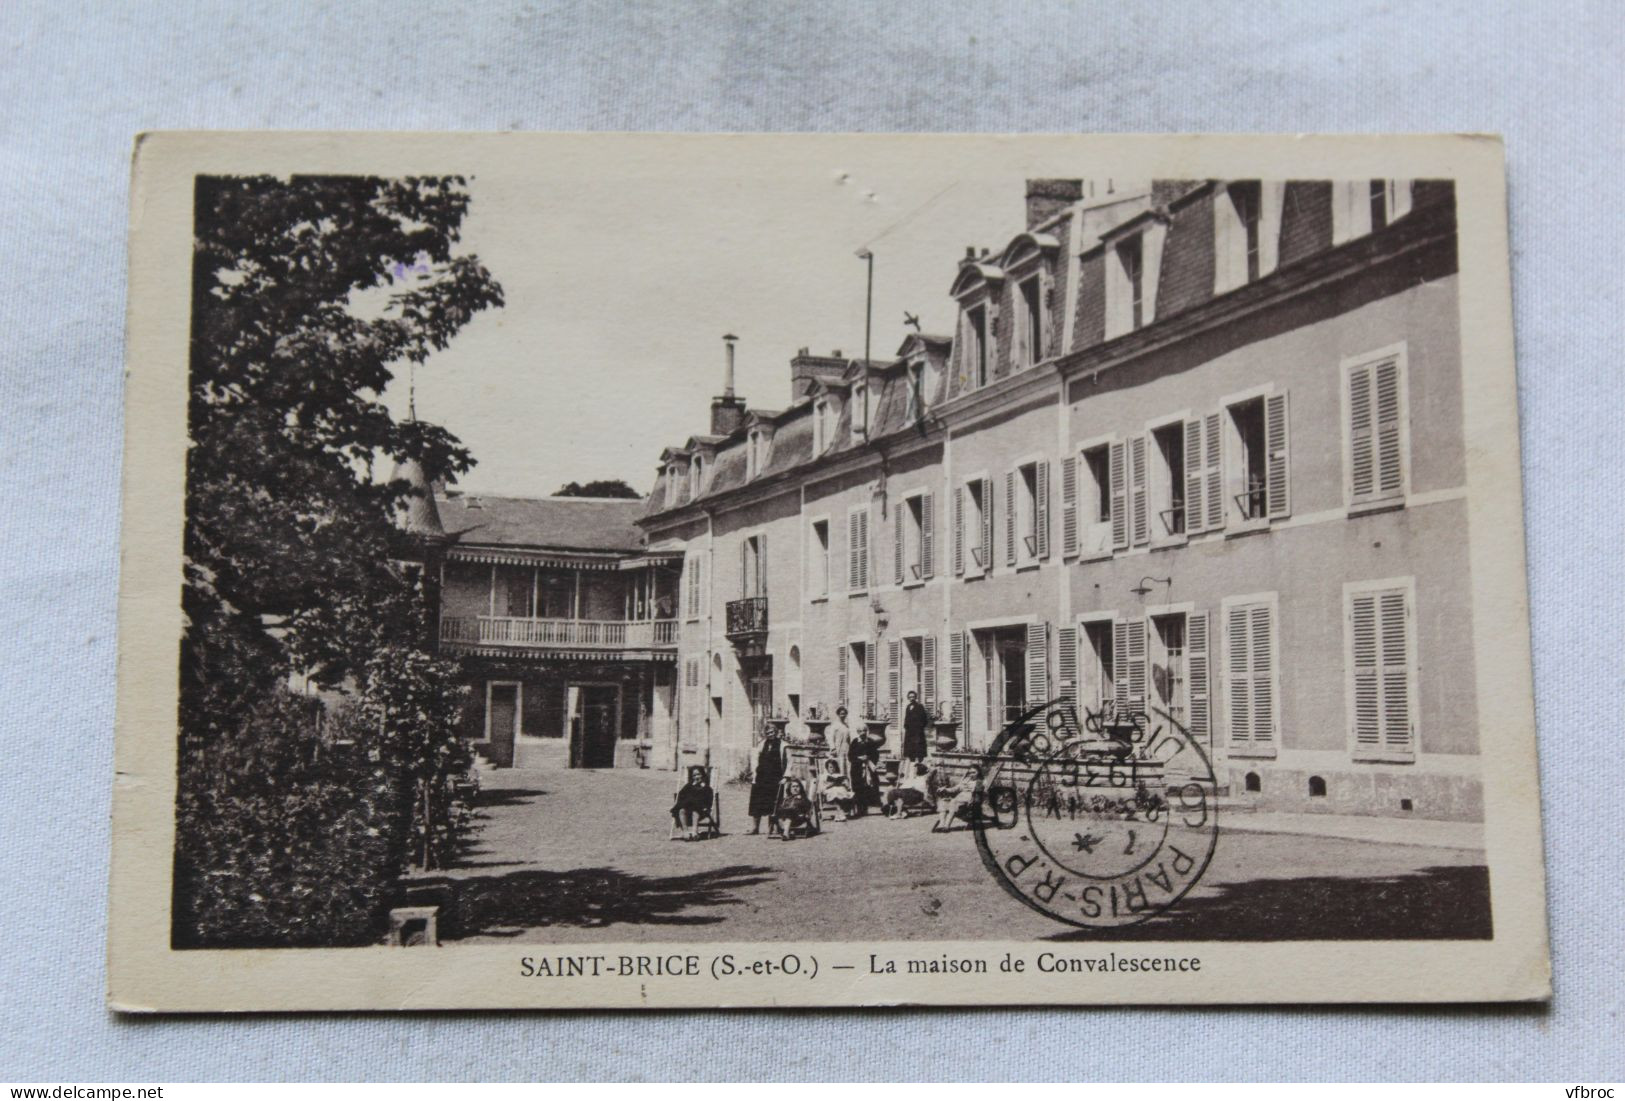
(604, 487)
(306, 293)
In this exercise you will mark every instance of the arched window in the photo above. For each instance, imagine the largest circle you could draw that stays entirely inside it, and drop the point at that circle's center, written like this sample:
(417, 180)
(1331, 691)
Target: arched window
(1253, 782)
(1317, 787)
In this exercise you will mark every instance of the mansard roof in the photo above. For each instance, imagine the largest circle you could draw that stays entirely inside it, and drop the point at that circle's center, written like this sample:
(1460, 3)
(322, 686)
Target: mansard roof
(550, 523)
(1026, 245)
(974, 274)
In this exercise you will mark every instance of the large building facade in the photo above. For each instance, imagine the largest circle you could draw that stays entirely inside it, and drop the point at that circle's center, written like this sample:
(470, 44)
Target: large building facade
(1194, 448)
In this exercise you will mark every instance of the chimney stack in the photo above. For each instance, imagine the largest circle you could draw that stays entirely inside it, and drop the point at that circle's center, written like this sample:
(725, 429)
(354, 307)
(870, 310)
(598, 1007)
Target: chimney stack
(806, 368)
(727, 411)
(1046, 198)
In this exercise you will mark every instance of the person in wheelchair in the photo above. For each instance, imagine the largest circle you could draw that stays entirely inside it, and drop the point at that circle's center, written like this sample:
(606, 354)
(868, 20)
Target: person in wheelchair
(912, 793)
(837, 792)
(793, 809)
(695, 802)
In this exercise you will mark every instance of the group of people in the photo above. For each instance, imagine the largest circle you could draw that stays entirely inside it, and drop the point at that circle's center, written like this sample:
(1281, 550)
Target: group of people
(850, 782)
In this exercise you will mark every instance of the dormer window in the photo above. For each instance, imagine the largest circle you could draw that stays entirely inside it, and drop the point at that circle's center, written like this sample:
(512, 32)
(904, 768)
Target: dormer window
(823, 425)
(1030, 319)
(915, 384)
(860, 412)
(757, 444)
(1133, 264)
(974, 363)
(1360, 206)
(1237, 238)
(696, 477)
(671, 484)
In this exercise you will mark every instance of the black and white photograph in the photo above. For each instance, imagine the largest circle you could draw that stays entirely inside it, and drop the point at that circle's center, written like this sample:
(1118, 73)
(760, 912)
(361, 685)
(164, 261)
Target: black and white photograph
(785, 570)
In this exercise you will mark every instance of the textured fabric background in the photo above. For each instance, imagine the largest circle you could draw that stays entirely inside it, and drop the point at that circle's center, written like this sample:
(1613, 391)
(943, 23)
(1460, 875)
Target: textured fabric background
(78, 81)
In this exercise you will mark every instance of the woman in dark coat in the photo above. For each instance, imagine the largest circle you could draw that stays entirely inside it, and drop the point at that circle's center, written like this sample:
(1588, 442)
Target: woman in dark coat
(864, 759)
(915, 720)
(764, 785)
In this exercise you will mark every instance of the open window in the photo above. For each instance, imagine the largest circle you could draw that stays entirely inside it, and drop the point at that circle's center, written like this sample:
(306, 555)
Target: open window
(1167, 481)
(913, 539)
(818, 561)
(1095, 687)
(860, 412)
(974, 532)
(1030, 346)
(975, 362)
(1255, 460)
(1029, 513)
(823, 425)
(1095, 502)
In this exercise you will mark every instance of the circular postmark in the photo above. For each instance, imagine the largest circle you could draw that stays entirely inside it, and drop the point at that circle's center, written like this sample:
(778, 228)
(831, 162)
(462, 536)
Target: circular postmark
(1098, 823)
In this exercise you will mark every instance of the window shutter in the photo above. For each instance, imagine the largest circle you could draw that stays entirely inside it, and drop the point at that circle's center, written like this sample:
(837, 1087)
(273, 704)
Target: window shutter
(852, 552)
(1136, 664)
(1195, 481)
(894, 679)
(761, 564)
(1263, 655)
(1197, 678)
(959, 531)
(1069, 506)
(1362, 461)
(840, 676)
(1037, 664)
(1119, 488)
(1066, 665)
(1389, 473)
(869, 685)
(1041, 506)
(1120, 665)
(928, 672)
(1213, 469)
(988, 513)
(1139, 519)
(1275, 450)
(1399, 199)
(745, 578)
(956, 675)
(897, 537)
(1010, 518)
(863, 549)
(1367, 676)
(928, 535)
(1396, 675)
(1239, 676)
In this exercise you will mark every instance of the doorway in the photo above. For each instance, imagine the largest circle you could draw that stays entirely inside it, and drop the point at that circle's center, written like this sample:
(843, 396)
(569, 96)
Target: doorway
(758, 673)
(593, 726)
(1004, 676)
(501, 718)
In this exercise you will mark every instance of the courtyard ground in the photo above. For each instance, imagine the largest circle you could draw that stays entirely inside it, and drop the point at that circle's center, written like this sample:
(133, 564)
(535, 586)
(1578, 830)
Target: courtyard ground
(580, 856)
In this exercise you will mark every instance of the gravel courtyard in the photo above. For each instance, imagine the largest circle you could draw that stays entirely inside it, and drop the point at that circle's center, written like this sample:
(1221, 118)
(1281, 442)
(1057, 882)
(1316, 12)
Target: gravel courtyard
(582, 856)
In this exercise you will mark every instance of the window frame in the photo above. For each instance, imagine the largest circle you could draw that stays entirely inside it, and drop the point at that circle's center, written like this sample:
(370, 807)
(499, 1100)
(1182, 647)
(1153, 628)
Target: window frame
(813, 523)
(868, 582)
(976, 502)
(1154, 645)
(913, 505)
(1382, 754)
(978, 324)
(1250, 751)
(1030, 315)
(1159, 477)
(1376, 502)
(1232, 473)
(1102, 444)
(1026, 510)
(1106, 686)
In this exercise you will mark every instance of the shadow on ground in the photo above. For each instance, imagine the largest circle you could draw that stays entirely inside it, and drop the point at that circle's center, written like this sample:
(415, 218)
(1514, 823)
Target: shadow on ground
(505, 797)
(506, 905)
(1438, 903)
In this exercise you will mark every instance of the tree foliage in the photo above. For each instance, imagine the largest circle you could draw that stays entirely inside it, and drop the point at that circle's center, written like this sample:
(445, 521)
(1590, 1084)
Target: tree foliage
(603, 487)
(306, 291)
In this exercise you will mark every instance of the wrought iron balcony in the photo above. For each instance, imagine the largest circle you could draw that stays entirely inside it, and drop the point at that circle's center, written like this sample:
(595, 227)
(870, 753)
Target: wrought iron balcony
(747, 618)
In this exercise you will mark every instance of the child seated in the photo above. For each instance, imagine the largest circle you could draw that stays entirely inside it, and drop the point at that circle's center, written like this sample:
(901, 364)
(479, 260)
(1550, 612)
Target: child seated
(694, 800)
(793, 809)
(837, 792)
(912, 791)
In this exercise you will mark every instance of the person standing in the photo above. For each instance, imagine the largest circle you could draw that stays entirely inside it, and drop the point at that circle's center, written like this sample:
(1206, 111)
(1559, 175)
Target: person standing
(840, 738)
(864, 758)
(764, 784)
(915, 723)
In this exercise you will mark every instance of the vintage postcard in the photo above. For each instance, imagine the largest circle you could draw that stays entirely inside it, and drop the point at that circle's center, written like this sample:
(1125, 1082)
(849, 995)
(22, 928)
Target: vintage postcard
(750, 570)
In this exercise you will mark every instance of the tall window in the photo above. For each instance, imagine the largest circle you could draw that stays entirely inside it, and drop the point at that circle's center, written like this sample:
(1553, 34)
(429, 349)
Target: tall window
(1031, 348)
(1131, 259)
(1095, 501)
(1382, 689)
(1030, 513)
(976, 339)
(1249, 662)
(1004, 676)
(1096, 688)
(753, 566)
(912, 548)
(1246, 477)
(977, 522)
(857, 550)
(1236, 211)
(822, 423)
(1168, 667)
(1360, 206)
(1168, 479)
(1376, 428)
(693, 585)
(915, 408)
(696, 477)
(818, 561)
(860, 412)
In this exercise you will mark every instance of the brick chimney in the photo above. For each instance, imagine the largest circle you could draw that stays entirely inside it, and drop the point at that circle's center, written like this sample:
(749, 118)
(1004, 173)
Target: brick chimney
(1046, 198)
(805, 368)
(727, 410)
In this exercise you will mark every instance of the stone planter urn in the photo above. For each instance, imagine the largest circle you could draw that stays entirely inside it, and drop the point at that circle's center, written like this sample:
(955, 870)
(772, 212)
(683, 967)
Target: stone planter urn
(877, 728)
(778, 723)
(815, 730)
(947, 734)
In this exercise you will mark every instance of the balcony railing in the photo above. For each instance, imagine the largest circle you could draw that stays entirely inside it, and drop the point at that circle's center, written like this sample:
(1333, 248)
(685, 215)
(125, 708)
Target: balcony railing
(747, 618)
(542, 634)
